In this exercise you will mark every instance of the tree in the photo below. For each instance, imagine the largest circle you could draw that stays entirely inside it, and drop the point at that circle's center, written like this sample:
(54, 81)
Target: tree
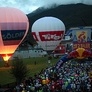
(19, 70)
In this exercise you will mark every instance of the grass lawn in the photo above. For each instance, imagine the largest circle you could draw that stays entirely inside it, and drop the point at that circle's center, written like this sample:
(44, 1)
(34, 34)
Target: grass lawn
(41, 63)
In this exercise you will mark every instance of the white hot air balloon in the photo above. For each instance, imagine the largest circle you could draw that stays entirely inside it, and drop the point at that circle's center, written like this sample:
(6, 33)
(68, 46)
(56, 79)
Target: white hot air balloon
(48, 32)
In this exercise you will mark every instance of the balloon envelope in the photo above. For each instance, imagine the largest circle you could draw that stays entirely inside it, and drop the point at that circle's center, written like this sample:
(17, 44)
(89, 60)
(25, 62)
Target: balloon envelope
(13, 28)
(48, 32)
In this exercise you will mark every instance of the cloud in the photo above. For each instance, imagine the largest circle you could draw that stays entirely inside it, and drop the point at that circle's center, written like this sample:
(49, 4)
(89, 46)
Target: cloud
(28, 6)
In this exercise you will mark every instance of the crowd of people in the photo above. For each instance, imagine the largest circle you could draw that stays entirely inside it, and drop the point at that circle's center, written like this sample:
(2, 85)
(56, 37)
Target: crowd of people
(71, 77)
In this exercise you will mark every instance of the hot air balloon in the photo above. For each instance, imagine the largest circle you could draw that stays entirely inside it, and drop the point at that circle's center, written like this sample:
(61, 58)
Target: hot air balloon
(13, 29)
(73, 54)
(48, 32)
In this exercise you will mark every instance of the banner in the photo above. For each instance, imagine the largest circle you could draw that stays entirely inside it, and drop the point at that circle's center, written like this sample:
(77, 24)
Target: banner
(81, 38)
(62, 60)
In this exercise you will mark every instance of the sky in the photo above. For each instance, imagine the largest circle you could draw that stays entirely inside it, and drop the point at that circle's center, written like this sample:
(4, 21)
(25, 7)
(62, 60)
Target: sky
(28, 6)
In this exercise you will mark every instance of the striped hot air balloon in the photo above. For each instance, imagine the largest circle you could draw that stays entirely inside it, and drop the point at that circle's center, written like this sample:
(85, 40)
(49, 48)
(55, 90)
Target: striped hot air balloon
(13, 28)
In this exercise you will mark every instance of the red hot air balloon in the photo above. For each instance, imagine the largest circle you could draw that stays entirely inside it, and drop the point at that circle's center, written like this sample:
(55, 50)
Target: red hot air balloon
(48, 32)
(73, 54)
(86, 53)
(13, 28)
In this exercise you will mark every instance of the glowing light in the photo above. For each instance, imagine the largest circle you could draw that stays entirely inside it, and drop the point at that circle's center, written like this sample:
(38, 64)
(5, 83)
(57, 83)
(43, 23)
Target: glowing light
(6, 57)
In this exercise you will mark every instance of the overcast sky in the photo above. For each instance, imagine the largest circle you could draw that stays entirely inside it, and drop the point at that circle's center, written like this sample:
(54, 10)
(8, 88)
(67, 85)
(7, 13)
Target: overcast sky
(27, 6)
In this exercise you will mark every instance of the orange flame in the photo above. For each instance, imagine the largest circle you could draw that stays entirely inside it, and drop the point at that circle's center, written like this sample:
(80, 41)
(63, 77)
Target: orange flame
(6, 57)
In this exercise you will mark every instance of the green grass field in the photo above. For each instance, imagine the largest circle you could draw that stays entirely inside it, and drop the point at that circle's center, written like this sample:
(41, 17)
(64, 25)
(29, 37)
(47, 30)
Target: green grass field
(41, 63)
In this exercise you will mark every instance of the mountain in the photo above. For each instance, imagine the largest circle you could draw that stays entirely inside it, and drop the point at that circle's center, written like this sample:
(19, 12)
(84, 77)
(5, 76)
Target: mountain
(73, 15)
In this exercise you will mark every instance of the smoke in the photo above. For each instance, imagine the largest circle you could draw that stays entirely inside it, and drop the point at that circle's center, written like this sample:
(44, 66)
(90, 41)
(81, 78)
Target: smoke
(27, 6)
